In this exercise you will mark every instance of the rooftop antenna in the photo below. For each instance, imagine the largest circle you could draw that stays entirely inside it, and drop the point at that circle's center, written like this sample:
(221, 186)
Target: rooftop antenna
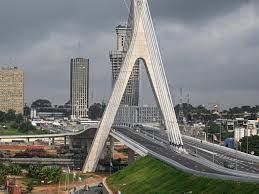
(181, 114)
(92, 96)
(79, 48)
(12, 62)
(188, 98)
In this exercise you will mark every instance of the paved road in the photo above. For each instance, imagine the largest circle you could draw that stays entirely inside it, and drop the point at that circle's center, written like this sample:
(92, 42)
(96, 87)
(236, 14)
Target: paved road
(92, 190)
(151, 145)
(64, 134)
(207, 151)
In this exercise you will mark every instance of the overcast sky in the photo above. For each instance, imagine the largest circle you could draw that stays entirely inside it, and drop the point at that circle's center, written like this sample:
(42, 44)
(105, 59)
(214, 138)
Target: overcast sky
(209, 47)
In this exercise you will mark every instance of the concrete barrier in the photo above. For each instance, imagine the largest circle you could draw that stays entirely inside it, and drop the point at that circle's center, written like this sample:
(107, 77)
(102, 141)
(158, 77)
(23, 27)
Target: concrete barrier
(106, 189)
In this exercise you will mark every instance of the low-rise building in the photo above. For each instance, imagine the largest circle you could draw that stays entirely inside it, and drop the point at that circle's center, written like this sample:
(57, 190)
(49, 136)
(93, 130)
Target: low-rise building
(43, 109)
(241, 132)
(130, 115)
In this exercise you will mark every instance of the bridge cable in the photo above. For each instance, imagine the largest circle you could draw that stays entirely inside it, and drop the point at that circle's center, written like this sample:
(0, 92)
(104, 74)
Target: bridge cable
(127, 6)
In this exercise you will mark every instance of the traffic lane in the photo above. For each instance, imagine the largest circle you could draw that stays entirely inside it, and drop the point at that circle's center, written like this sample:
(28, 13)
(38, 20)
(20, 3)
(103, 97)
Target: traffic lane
(218, 159)
(217, 150)
(92, 190)
(167, 152)
(205, 155)
(246, 164)
(254, 167)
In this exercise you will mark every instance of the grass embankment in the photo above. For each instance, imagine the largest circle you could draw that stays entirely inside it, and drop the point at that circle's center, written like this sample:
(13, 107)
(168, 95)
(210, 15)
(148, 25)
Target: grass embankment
(149, 175)
(6, 132)
(11, 132)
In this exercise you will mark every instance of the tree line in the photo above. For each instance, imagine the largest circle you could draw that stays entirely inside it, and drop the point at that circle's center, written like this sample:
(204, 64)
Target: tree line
(15, 121)
(12, 169)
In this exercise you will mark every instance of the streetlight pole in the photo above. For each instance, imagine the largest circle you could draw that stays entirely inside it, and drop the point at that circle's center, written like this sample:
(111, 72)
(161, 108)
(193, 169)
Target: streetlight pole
(59, 187)
(236, 154)
(247, 141)
(252, 152)
(110, 166)
(220, 133)
(213, 149)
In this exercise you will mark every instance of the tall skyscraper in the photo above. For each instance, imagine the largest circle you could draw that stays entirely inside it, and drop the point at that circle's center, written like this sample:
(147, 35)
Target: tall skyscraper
(131, 94)
(11, 89)
(79, 87)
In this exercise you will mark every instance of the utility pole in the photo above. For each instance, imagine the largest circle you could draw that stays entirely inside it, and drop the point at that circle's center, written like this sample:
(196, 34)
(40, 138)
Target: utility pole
(236, 155)
(213, 150)
(247, 141)
(220, 133)
(181, 114)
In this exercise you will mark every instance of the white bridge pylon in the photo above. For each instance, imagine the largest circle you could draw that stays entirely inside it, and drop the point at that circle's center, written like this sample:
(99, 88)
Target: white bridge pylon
(141, 43)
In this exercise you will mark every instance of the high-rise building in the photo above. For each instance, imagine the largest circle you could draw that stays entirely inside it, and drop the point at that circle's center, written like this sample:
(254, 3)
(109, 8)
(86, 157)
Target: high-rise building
(79, 88)
(11, 89)
(131, 94)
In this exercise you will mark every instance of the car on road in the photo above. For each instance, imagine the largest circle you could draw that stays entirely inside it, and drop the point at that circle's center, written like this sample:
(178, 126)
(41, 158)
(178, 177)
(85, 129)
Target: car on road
(229, 165)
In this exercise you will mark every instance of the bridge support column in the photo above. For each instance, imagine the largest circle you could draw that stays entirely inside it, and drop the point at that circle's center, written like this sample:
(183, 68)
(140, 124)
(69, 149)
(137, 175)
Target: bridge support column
(65, 141)
(53, 141)
(131, 156)
(111, 147)
(70, 143)
(83, 144)
(88, 144)
(28, 140)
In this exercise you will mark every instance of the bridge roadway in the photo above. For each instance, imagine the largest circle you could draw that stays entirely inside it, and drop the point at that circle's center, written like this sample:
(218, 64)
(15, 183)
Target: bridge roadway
(186, 162)
(212, 152)
(151, 145)
(42, 161)
(65, 134)
(142, 142)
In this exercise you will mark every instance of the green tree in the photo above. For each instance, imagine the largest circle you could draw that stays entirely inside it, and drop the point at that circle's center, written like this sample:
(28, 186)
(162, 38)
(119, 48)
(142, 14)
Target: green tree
(27, 110)
(19, 118)
(96, 111)
(14, 125)
(29, 187)
(2, 117)
(253, 144)
(14, 169)
(26, 127)
(10, 115)
(3, 174)
(213, 128)
(52, 174)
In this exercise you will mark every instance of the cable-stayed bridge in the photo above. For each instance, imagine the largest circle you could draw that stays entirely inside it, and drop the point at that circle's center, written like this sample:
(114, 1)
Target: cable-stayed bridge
(183, 152)
(202, 159)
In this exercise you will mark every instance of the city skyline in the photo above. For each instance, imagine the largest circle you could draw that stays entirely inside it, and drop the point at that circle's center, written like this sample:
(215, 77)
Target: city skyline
(173, 108)
(225, 32)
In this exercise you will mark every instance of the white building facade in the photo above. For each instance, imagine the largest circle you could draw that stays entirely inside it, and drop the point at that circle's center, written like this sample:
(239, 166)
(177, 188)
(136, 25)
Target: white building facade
(131, 115)
(131, 94)
(79, 88)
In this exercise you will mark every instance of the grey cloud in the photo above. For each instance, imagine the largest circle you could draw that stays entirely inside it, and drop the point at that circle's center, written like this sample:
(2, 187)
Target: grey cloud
(209, 47)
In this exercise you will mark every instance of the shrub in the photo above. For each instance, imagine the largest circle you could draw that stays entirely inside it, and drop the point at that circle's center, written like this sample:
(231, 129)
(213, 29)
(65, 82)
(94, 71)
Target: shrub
(47, 174)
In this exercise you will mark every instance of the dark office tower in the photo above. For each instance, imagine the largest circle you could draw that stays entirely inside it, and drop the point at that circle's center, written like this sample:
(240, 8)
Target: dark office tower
(79, 88)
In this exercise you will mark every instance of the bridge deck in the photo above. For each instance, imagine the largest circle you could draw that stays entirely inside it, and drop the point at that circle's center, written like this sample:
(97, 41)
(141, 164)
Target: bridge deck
(166, 152)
